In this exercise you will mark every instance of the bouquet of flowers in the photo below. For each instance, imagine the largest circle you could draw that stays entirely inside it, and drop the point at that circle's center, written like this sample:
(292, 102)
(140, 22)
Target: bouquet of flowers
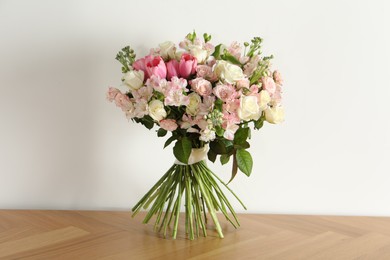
(207, 98)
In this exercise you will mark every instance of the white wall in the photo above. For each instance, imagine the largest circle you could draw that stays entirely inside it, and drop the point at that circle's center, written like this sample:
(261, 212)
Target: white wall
(63, 146)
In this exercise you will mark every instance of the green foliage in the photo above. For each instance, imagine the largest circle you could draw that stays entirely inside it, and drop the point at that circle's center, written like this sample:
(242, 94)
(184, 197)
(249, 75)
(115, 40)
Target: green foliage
(217, 51)
(211, 155)
(255, 47)
(241, 135)
(126, 57)
(182, 149)
(161, 132)
(147, 121)
(230, 58)
(224, 158)
(244, 161)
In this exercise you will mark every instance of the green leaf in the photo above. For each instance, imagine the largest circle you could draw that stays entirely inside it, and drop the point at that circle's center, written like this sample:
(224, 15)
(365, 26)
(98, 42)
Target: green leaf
(217, 51)
(221, 146)
(244, 145)
(255, 77)
(234, 167)
(211, 155)
(219, 131)
(170, 140)
(224, 159)
(161, 132)
(182, 149)
(244, 161)
(259, 123)
(230, 58)
(241, 135)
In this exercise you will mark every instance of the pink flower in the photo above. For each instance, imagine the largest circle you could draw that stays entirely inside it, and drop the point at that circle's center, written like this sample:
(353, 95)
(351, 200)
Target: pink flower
(235, 50)
(202, 71)
(225, 92)
(230, 131)
(206, 106)
(172, 69)
(202, 87)
(123, 101)
(187, 65)
(145, 93)
(168, 124)
(231, 106)
(111, 93)
(151, 65)
(156, 67)
(243, 83)
(277, 96)
(140, 64)
(268, 84)
(277, 77)
(174, 93)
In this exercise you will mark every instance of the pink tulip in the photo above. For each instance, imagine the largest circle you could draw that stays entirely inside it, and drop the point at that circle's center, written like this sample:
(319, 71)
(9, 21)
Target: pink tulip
(156, 67)
(172, 69)
(187, 65)
(140, 64)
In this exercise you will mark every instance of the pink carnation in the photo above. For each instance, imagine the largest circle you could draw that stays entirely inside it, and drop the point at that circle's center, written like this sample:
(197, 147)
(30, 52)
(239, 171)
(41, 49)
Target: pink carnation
(168, 124)
(201, 86)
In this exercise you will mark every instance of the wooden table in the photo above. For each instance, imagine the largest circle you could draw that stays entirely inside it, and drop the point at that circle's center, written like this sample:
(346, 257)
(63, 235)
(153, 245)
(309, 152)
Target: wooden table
(28, 234)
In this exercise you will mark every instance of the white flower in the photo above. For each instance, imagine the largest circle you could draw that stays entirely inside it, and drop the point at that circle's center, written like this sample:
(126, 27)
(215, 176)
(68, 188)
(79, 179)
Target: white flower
(249, 108)
(134, 79)
(193, 105)
(274, 115)
(140, 108)
(228, 72)
(207, 135)
(167, 50)
(199, 53)
(264, 99)
(156, 110)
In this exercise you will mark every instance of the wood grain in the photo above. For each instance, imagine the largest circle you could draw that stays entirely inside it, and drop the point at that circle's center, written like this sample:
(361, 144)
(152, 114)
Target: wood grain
(26, 234)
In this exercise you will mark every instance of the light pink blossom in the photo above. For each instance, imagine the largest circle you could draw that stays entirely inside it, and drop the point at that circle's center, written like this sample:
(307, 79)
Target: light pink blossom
(145, 93)
(174, 94)
(187, 65)
(268, 84)
(251, 66)
(235, 49)
(168, 124)
(123, 101)
(225, 92)
(206, 106)
(243, 83)
(202, 87)
(157, 84)
(111, 93)
(141, 108)
(230, 131)
(278, 78)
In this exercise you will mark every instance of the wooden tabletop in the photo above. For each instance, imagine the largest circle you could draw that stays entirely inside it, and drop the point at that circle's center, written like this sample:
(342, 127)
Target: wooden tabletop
(28, 234)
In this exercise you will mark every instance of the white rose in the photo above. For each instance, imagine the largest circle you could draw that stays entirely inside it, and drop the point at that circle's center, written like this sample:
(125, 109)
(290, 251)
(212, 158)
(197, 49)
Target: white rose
(274, 115)
(264, 99)
(156, 110)
(228, 72)
(249, 108)
(134, 79)
(193, 106)
(167, 50)
(199, 53)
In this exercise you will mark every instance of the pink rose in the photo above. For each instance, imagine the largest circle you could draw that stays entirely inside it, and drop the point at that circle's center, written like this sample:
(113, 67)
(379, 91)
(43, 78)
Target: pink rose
(277, 77)
(201, 86)
(225, 92)
(168, 124)
(112, 93)
(187, 65)
(172, 69)
(202, 71)
(268, 84)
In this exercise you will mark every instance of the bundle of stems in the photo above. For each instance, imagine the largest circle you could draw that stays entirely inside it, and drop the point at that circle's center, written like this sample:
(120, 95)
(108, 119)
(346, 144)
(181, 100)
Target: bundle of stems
(202, 194)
